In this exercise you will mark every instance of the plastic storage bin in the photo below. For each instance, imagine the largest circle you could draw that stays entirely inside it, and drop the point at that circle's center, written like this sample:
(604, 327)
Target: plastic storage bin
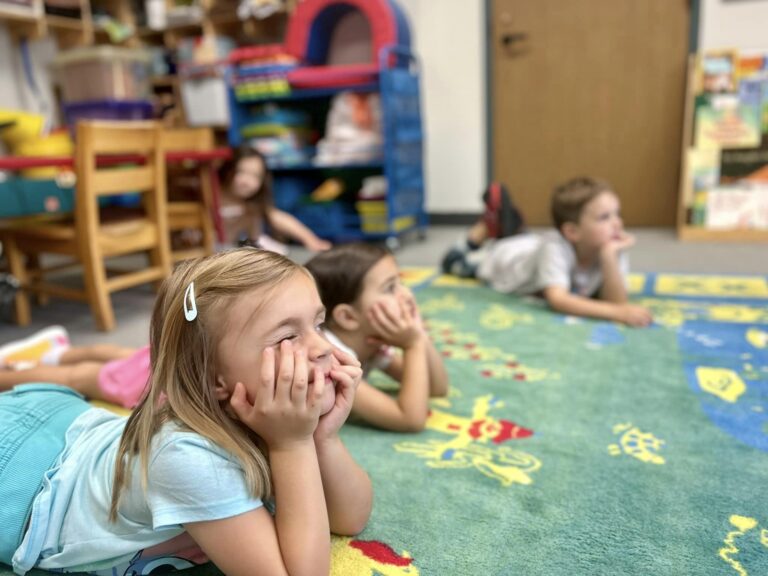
(107, 110)
(103, 73)
(204, 94)
(22, 197)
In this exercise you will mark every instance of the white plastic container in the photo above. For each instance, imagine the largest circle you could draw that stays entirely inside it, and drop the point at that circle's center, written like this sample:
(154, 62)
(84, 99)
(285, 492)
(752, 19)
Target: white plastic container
(204, 95)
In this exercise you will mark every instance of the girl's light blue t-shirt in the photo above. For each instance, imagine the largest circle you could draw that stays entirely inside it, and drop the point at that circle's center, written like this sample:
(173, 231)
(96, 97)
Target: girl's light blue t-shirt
(191, 479)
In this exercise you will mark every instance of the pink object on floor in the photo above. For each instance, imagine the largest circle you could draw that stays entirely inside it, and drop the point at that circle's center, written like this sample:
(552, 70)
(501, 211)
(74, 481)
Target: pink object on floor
(123, 381)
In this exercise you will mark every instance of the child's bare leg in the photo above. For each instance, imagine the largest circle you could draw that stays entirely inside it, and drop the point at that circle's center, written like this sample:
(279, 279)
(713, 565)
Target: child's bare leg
(95, 353)
(83, 377)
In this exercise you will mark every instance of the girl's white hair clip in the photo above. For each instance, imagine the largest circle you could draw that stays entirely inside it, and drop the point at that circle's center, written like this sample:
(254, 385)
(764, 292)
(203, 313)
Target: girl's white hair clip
(190, 306)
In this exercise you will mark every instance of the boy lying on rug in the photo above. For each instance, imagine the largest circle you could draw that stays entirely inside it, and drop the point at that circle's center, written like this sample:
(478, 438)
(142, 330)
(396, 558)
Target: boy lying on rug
(580, 270)
(369, 312)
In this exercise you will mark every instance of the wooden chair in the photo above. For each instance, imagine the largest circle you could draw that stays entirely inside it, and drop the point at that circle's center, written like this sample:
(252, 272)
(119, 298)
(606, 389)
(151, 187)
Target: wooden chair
(94, 234)
(194, 214)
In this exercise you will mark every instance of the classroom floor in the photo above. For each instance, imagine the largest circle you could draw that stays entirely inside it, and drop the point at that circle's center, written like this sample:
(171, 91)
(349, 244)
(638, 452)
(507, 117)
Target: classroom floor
(657, 250)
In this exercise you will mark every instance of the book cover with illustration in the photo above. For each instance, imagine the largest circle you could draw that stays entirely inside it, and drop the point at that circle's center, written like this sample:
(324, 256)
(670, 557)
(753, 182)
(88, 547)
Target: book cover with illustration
(722, 121)
(717, 72)
(751, 62)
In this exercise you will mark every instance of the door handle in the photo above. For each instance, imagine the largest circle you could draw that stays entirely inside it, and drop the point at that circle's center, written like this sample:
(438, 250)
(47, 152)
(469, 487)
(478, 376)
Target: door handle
(511, 38)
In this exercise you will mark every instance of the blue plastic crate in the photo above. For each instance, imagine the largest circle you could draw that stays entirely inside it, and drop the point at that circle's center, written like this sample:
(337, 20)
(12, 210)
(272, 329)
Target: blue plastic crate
(334, 220)
(288, 191)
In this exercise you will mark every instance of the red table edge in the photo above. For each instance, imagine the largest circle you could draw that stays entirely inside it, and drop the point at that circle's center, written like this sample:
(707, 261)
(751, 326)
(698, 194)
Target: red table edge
(172, 157)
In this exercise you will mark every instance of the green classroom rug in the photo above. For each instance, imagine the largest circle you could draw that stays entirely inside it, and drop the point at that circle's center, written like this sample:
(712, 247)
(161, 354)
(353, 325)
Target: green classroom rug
(577, 447)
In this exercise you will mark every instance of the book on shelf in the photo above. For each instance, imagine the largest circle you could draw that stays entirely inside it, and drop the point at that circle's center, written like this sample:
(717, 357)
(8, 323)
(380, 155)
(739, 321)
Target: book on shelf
(702, 172)
(750, 63)
(722, 121)
(717, 72)
(737, 207)
(744, 164)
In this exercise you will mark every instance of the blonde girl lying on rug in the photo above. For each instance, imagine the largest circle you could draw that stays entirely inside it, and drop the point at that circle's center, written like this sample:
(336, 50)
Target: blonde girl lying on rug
(371, 314)
(580, 269)
(105, 372)
(245, 402)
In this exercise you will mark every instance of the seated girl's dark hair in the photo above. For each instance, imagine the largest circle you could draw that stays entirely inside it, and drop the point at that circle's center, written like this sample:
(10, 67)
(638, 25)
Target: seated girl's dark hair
(340, 271)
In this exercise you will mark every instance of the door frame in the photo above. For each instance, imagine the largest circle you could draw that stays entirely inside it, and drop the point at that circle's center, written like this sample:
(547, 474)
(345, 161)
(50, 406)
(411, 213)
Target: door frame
(693, 46)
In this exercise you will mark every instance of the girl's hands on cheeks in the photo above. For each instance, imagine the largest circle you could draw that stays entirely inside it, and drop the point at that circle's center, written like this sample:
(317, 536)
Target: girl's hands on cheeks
(346, 374)
(395, 323)
(284, 409)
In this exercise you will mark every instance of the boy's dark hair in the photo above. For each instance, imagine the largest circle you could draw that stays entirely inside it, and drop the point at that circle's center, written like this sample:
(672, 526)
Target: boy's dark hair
(264, 197)
(569, 198)
(340, 271)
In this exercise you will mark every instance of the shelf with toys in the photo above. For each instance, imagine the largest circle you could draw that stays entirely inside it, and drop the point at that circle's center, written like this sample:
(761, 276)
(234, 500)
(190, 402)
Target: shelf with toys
(724, 176)
(344, 142)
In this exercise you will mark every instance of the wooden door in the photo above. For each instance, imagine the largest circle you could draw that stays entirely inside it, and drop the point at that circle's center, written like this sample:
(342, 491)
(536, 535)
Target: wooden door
(590, 87)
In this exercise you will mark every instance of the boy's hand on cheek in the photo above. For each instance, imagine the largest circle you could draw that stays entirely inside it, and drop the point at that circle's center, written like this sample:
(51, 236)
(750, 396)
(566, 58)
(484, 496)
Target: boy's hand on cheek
(623, 242)
(285, 409)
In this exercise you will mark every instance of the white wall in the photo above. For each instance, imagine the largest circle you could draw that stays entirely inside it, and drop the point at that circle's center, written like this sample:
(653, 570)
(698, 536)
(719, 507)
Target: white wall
(449, 40)
(733, 24)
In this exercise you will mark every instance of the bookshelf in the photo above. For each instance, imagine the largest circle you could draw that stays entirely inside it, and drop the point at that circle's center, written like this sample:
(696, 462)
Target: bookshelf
(687, 230)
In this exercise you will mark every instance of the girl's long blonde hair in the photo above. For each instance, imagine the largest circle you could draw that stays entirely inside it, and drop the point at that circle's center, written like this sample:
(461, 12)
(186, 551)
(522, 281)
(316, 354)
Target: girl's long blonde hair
(183, 360)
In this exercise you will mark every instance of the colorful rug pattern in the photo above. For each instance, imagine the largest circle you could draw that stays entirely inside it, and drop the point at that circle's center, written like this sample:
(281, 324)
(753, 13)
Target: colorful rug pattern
(571, 446)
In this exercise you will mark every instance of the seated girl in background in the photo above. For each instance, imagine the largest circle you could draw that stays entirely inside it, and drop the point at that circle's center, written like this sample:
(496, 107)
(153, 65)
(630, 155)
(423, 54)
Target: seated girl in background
(104, 372)
(247, 205)
(244, 405)
(369, 312)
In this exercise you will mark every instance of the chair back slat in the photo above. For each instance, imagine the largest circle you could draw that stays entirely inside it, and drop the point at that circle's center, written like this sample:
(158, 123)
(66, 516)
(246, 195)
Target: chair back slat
(123, 180)
(104, 137)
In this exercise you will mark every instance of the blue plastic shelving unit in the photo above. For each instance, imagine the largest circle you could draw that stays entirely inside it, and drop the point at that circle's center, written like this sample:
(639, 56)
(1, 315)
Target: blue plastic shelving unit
(402, 163)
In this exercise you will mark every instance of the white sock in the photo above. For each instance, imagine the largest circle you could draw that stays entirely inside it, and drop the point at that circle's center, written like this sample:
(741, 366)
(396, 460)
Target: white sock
(53, 356)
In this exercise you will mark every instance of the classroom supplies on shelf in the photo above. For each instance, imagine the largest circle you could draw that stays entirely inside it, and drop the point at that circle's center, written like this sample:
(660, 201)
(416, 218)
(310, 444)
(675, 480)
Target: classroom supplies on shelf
(103, 73)
(367, 114)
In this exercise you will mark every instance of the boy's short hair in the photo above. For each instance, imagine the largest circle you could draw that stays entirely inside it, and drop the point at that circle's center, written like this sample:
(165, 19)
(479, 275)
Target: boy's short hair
(569, 198)
(340, 271)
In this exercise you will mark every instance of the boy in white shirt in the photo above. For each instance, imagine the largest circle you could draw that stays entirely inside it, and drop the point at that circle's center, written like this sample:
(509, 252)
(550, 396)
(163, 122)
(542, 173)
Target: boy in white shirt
(580, 270)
